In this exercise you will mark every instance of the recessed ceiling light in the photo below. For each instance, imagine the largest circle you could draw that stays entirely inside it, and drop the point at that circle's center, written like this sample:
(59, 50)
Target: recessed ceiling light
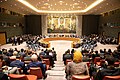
(78, 7)
(43, 7)
(60, 1)
(76, 4)
(95, 3)
(0, 1)
(46, 4)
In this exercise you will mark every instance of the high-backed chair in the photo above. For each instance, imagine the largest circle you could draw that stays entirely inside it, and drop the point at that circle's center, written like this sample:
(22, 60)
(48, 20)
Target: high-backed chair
(68, 60)
(112, 77)
(117, 64)
(36, 71)
(12, 58)
(17, 77)
(27, 62)
(101, 62)
(1, 66)
(88, 64)
(47, 62)
(97, 59)
(22, 77)
(79, 77)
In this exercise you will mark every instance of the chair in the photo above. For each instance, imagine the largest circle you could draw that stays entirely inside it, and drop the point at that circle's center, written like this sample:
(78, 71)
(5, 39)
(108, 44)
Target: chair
(101, 62)
(112, 77)
(97, 59)
(116, 64)
(88, 64)
(36, 71)
(17, 77)
(68, 60)
(12, 58)
(79, 77)
(1, 66)
(31, 77)
(27, 62)
(22, 77)
(47, 62)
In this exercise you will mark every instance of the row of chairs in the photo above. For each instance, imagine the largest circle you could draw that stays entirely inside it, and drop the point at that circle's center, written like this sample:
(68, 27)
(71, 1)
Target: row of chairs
(35, 71)
(99, 61)
(22, 77)
(74, 77)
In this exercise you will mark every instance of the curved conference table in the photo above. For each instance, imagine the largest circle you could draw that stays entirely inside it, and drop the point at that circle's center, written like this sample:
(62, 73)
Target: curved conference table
(46, 44)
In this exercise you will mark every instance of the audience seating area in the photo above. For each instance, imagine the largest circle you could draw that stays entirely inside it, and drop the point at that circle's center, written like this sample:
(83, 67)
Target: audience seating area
(48, 56)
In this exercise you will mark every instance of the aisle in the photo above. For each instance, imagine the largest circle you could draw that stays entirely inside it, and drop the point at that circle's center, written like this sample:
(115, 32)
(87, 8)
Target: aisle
(58, 72)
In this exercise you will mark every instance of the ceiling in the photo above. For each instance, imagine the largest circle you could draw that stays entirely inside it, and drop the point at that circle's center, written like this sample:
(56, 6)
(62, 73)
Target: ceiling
(44, 7)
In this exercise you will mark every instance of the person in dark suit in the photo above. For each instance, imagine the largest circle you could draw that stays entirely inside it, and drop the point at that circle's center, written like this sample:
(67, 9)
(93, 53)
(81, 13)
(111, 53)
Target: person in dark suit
(66, 56)
(18, 40)
(17, 63)
(109, 71)
(47, 56)
(36, 63)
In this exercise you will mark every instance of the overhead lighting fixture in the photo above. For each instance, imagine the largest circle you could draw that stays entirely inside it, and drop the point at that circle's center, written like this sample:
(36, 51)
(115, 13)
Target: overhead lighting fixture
(76, 4)
(46, 4)
(73, 11)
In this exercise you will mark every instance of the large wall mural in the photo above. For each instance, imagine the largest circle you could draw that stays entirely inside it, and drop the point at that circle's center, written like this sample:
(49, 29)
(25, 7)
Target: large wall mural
(61, 24)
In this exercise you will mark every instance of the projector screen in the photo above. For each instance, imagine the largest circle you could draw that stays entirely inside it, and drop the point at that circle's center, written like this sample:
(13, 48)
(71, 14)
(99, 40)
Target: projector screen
(61, 24)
